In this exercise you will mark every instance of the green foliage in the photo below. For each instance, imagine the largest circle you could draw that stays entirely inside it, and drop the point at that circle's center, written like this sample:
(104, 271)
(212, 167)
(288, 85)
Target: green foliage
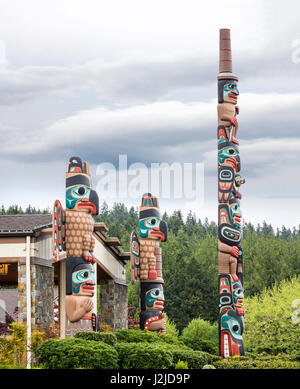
(106, 337)
(171, 328)
(143, 356)
(263, 362)
(156, 355)
(13, 347)
(144, 336)
(11, 367)
(35, 341)
(194, 359)
(208, 367)
(201, 335)
(181, 365)
(268, 320)
(77, 353)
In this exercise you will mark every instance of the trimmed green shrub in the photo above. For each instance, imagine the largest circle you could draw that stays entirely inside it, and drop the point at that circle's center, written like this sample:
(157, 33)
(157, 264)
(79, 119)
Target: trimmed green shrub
(156, 355)
(201, 335)
(267, 362)
(137, 336)
(76, 353)
(143, 356)
(195, 359)
(106, 337)
(269, 323)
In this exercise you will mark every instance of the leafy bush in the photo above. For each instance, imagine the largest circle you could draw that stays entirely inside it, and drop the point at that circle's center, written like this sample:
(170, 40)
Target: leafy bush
(35, 341)
(195, 359)
(266, 362)
(144, 336)
(201, 335)
(13, 347)
(268, 320)
(77, 353)
(106, 337)
(143, 356)
(181, 365)
(171, 327)
(157, 355)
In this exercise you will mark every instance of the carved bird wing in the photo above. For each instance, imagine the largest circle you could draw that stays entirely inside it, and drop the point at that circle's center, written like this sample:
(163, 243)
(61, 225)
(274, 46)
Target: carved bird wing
(58, 230)
(134, 257)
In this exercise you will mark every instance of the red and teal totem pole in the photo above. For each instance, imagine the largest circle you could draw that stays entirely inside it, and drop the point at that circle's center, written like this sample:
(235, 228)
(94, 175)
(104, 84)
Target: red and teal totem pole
(230, 254)
(146, 264)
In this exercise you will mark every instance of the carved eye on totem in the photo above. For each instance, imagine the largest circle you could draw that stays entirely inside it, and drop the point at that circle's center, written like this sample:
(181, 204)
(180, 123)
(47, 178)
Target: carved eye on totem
(235, 327)
(152, 222)
(79, 191)
(81, 276)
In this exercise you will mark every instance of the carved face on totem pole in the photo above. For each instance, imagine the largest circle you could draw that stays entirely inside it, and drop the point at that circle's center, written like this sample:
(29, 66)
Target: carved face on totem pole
(231, 327)
(230, 231)
(79, 193)
(231, 320)
(80, 278)
(150, 222)
(227, 91)
(153, 296)
(228, 155)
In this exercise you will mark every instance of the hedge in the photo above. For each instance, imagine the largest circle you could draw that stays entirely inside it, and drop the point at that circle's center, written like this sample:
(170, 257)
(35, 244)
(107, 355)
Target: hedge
(160, 356)
(267, 362)
(143, 356)
(106, 337)
(76, 353)
(138, 336)
(195, 359)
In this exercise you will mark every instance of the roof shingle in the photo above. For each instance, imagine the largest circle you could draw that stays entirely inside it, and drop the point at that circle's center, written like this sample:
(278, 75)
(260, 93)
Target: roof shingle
(24, 223)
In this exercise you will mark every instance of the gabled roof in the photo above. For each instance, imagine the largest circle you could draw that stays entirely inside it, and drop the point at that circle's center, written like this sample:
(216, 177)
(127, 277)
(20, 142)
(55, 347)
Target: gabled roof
(24, 224)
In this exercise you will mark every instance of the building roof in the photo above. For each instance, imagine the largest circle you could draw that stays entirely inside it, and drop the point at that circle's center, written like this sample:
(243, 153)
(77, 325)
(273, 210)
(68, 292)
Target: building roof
(24, 224)
(29, 224)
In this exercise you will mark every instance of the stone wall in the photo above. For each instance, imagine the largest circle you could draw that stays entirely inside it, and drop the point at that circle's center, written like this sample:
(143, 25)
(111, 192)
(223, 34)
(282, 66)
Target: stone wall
(42, 283)
(113, 304)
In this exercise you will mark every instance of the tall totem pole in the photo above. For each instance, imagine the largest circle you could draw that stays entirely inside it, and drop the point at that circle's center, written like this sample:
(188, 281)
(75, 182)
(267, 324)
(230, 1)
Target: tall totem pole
(72, 232)
(146, 264)
(230, 254)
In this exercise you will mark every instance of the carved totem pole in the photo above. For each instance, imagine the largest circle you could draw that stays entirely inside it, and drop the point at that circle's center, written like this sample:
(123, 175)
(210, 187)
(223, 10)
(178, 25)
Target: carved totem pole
(72, 232)
(230, 254)
(146, 264)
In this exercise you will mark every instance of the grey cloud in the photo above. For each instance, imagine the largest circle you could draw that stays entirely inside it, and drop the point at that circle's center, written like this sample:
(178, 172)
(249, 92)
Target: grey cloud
(139, 79)
(153, 132)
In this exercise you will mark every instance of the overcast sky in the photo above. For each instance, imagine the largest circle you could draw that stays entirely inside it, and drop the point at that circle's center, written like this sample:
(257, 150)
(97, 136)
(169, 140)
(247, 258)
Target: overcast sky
(102, 78)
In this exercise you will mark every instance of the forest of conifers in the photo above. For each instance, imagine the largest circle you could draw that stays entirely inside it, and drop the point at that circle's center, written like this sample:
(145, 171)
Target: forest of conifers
(190, 268)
